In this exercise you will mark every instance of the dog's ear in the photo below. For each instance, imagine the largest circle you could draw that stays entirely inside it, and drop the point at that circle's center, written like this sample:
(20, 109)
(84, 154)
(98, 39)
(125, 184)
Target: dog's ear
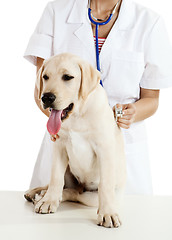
(39, 83)
(90, 77)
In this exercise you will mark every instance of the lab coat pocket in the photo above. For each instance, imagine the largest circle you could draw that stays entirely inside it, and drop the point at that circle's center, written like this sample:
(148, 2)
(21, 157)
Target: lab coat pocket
(125, 72)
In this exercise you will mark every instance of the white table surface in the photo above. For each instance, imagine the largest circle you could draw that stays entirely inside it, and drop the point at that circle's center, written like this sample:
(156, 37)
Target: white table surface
(143, 218)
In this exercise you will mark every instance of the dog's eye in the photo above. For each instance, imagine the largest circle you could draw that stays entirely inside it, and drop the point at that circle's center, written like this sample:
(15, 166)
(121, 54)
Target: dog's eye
(45, 77)
(67, 77)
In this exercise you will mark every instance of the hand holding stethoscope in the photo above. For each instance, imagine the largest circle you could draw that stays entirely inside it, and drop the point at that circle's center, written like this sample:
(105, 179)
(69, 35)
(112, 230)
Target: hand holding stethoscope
(124, 114)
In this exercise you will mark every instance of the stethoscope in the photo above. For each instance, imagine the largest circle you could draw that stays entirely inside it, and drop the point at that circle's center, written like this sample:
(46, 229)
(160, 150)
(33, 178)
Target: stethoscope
(97, 24)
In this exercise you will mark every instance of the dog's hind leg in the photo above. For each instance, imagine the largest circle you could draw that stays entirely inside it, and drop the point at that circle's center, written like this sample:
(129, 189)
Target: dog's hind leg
(35, 194)
(87, 198)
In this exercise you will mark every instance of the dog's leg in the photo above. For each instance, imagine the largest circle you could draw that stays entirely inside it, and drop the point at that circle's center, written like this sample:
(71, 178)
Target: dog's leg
(112, 182)
(50, 202)
(31, 194)
(87, 198)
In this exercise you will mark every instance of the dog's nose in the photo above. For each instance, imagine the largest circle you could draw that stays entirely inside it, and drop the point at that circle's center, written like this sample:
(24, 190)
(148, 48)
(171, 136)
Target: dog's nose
(48, 98)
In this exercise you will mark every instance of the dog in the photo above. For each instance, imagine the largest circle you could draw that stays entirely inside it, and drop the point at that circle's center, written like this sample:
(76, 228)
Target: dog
(88, 158)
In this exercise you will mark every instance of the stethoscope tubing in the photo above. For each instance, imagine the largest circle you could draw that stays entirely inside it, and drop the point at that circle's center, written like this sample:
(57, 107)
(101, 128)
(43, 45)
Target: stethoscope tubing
(97, 24)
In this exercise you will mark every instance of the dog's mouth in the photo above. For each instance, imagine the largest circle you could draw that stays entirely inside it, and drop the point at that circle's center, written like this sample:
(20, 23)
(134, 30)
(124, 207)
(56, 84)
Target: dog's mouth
(56, 117)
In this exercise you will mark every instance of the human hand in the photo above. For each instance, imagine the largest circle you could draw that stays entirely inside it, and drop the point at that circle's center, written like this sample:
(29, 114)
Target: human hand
(54, 137)
(128, 117)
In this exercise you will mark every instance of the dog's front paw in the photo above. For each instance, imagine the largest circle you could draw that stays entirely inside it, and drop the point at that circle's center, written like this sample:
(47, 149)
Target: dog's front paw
(46, 205)
(108, 220)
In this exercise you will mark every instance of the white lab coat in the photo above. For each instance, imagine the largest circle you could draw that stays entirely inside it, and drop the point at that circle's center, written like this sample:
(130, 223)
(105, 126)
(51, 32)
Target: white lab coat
(136, 54)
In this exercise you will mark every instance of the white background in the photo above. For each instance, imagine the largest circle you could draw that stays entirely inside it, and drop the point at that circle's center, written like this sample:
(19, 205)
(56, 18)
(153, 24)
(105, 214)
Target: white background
(22, 125)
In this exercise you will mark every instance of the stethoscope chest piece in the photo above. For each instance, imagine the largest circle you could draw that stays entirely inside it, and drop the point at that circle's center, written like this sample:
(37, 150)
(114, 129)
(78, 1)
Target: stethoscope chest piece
(118, 112)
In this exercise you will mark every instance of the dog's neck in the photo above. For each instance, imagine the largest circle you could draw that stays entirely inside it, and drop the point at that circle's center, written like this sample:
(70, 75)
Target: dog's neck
(89, 104)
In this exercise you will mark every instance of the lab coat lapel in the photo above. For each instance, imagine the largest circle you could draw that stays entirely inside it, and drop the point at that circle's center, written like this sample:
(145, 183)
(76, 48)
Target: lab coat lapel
(117, 35)
(119, 31)
(84, 33)
(126, 17)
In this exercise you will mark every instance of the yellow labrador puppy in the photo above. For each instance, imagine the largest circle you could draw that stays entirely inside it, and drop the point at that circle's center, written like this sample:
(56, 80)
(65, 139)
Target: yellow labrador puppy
(88, 158)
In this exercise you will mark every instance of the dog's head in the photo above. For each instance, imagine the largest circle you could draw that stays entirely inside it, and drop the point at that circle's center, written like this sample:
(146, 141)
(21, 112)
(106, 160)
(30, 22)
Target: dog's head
(63, 80)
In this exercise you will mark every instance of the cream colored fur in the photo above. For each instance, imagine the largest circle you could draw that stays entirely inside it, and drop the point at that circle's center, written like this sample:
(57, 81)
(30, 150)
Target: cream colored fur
(90, 143)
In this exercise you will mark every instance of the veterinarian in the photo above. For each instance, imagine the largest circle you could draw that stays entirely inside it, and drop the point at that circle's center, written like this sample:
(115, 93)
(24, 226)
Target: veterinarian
(135, 63)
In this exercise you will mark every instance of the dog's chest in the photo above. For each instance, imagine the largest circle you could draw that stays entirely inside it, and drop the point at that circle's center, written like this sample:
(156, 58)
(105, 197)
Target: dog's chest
(82, 158)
